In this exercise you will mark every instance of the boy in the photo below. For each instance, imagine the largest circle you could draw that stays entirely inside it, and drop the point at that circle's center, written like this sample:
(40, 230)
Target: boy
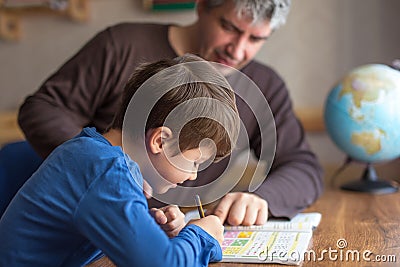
(87, 197)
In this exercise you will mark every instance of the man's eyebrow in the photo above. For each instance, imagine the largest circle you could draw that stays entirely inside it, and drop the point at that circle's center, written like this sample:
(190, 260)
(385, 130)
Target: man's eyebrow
(229, 23)
(240, 31)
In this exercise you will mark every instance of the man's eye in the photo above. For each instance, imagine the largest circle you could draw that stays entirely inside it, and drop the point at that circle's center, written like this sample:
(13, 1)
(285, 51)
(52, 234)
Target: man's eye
(256, 39)
(228, 27)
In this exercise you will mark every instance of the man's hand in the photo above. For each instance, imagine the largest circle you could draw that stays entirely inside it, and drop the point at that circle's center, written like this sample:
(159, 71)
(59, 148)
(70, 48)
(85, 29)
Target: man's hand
(170, 218)
(239, 208)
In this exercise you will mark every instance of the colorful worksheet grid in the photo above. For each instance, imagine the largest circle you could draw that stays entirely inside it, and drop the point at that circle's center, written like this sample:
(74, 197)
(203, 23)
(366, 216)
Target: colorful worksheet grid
(251, 244)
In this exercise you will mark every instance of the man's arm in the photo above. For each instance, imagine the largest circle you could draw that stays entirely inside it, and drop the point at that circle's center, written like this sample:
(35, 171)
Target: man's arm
(69, 99)
(295, 180)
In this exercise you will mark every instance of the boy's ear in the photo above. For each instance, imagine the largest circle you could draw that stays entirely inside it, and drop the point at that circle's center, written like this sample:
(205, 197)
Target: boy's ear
(156, 138)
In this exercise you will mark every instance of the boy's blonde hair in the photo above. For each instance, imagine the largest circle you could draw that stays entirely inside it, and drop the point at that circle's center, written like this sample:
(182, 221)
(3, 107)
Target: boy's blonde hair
(200, 127)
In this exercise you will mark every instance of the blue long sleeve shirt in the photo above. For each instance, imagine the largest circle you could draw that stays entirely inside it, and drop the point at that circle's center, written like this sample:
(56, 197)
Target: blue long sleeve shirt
(86, 198)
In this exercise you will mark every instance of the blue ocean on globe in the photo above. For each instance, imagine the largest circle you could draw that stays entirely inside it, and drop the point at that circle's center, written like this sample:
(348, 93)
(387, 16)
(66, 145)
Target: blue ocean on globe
(362, 113)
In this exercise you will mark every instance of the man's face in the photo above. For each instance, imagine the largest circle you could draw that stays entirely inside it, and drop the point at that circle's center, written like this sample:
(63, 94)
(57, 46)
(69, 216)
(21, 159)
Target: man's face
(227, 39)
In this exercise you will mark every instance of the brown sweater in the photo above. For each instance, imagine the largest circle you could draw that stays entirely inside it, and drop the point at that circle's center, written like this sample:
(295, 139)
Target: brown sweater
(86, 91)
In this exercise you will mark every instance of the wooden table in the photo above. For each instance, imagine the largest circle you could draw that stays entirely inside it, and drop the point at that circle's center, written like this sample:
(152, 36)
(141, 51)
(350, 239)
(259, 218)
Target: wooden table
(368, 224)
(364, 222)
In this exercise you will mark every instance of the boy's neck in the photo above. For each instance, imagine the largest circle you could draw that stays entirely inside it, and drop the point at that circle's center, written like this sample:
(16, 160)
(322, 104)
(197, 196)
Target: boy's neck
(114, 136)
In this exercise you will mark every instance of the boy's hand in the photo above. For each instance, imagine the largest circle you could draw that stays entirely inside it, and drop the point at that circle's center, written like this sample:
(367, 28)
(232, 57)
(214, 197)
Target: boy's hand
(240, 208)
(212, 225)
(147, 190)
(170, 218)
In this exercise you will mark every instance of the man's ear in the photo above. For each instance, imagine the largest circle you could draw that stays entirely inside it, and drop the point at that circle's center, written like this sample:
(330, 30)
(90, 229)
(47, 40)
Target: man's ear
(201, 6)
(156, 138)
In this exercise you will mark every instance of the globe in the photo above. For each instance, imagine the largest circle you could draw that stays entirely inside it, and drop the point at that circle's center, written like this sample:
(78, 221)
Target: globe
(362, 113)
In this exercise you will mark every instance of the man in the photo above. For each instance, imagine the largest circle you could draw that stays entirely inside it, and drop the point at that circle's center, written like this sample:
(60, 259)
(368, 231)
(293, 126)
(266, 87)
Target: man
(86, 91)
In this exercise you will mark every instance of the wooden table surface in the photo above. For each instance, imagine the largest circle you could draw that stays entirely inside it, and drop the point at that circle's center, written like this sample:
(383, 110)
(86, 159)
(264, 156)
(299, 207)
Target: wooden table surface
(353, 224)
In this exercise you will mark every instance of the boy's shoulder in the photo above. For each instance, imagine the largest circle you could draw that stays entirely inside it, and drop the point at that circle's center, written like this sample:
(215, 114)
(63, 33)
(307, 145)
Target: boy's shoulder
(88, 145)
(90, 153)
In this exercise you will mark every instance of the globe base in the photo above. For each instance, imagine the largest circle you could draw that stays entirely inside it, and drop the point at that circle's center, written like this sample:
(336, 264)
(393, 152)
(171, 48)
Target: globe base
(370, 183)
(373, 187)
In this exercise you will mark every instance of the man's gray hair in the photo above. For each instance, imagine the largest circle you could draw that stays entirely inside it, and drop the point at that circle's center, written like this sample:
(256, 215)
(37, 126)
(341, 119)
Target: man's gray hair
(275, 11)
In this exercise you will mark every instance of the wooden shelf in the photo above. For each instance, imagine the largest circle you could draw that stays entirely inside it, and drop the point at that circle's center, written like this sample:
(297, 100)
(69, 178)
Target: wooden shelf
(10, 26)
(312, 119)
(9, 130)
(78, 10)
(168, 5)
(10, 17)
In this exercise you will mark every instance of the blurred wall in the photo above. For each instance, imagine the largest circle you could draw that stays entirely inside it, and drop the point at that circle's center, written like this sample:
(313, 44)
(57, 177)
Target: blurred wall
(321, 41)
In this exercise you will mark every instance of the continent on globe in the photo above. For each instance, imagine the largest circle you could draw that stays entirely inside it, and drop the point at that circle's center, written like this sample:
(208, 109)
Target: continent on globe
(362, 113)
(366, 85)
(367, 140)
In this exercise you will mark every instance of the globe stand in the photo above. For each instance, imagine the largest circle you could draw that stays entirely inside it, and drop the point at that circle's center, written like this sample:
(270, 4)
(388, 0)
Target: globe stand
(370, 183)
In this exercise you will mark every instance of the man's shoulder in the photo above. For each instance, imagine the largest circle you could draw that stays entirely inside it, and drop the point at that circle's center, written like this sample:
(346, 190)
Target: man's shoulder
(262, 74)
(130, 35)
(132, 27)
(256, 68)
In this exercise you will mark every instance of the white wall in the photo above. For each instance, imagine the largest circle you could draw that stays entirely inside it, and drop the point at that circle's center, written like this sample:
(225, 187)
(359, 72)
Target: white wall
(323, 40)
(49, 40)
(320, 43)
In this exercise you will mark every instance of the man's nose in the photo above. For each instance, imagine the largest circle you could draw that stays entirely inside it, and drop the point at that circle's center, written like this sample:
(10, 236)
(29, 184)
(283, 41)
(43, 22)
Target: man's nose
(237, 49)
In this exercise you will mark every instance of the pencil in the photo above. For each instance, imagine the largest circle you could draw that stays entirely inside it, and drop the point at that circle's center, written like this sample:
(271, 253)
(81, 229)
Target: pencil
(199, 206)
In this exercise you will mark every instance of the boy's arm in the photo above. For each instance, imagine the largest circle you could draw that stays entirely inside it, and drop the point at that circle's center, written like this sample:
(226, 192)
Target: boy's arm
(125, 231)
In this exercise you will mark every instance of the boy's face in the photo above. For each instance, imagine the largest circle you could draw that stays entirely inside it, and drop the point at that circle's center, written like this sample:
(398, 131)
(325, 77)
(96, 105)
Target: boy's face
(227, 39)
(177, 169)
